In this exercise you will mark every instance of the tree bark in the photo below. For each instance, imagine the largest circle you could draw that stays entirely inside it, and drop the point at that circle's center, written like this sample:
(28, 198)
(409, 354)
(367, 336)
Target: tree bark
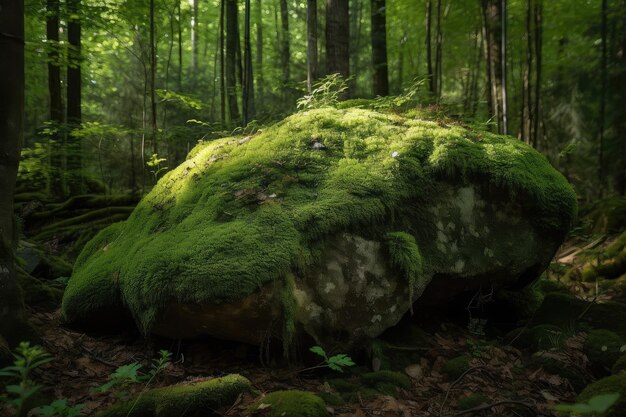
(432, 82)
(180, 47)
(11, 135)
(232, 41)
(57, 172)
(619, 82)
(248, 84)
(194, 39)
(259, 51)
(153, 63)
(438, 54)
(494, 28)
(537, 117)
(74, 97)
(379, 48)
(311, 51)
(222, 73)
(338, 38)
(603, 86)
(284, 41)
(526, 116)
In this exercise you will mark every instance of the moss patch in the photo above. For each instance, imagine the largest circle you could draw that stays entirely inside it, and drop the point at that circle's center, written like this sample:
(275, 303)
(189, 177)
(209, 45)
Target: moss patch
(37, 293)
(549, 364)
(471, 401)
(242, 212)
(292, 404)
(619, 365)
(455, 367)
(602, 347)
(195, 399)
(541, 337)
(615, 384)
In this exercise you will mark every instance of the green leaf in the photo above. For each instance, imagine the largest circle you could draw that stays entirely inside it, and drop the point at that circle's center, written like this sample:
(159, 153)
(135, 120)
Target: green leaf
(601, 403)
(318, 351)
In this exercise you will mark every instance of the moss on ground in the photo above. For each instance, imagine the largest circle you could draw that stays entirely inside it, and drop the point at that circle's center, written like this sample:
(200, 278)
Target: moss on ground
(602, 347)
(615, 384)
(37, 293)
(576, 378)
(619, 365)
(291, 404)
(386, 382)
(540, 337)
(190, 400)
(455, 367)
(242, 212)
(471, 401)
(606, 216)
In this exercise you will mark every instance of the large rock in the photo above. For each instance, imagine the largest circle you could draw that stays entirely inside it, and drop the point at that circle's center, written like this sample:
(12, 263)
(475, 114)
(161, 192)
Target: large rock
(334, 222)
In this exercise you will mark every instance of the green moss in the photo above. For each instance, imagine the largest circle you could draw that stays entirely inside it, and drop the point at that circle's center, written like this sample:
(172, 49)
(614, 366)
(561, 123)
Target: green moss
(471, 401)
(540, 337)
(549, 364)
(405, 254)
(190, 400)
(619, 365)
(289, 305)
(545, 286)
(606, 216)
(343, 385)
(241, 213)
(292, 404)
(455, 367)
(602, 347)
(37, 293)
(615, 384)
(384, 381)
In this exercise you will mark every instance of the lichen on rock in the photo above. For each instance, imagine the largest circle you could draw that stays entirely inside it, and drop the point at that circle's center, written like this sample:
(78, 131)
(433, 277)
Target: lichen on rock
(423, 205)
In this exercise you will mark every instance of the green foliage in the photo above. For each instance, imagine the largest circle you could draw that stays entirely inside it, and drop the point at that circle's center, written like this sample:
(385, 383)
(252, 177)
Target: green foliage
(405, 255)
(615, 384)
(596, 406)
(456, 367)
(325, 93)
(154, 163)
(60, 408)
(334, 362)
(23, 388)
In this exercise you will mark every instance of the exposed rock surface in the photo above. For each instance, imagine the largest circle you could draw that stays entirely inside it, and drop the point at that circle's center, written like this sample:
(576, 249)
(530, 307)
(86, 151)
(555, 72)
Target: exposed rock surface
(271, 234)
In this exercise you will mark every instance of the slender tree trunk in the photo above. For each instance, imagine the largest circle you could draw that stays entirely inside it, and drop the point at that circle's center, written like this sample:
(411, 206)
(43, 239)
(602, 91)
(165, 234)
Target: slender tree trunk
(603, 87)
(494, 28)
(537, 111)
(194, 39)
(74, 96)
(619, 81)
(526, 116)
(259, 51)
(311, 52)
(232, 35)
(248, 84)
(338, 38)
(438, 54)
(153, 63)
(284, 41)
(57, 172)
(379, 48)
(222, 74)
(180, 48)
(11, 136)
(432, 82)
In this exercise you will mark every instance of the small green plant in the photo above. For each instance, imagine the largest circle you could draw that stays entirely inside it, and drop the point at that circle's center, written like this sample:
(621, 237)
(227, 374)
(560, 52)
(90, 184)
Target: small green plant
(596, 406)
(325, 92)
(27, 358)
(155, 165)
(335, 362)
(126, 376)
(60, 408)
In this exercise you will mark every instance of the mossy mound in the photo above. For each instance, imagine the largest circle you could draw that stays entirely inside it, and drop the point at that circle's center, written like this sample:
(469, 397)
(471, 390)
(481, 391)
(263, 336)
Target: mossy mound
(615, 384)
(370, 385)
(194, 399)
(609, 265)
(619, 365)
(38, 294)
(456, 367)
(540, 337)
(602, 347)
(576, 378)
(605, 216)
(244, 213)
(291, 404)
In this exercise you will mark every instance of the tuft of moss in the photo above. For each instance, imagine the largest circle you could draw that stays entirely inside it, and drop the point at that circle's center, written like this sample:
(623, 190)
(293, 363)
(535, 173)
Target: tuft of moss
(614, 384)
(242, 212)
(405, 255)
(455, 367)
(195, 399)
(606, 216)
(291, 404)
(540, 337)
(577, 379)
(386, 382)
(602, 347)
(471, 401)
(619, 365)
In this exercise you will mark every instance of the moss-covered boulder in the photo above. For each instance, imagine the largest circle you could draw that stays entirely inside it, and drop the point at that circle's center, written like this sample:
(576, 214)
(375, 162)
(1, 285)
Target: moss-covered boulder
(332, 221)
(602, 347)
(193, 399)
(615, 384)
(620, 365)
(291, 404)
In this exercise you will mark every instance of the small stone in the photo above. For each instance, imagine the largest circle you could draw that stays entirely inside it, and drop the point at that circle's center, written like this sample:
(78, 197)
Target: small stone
(414, 371)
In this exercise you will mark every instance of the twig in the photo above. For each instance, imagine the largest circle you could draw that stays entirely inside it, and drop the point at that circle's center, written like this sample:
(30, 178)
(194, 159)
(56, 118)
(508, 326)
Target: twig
(443, 403)
(489, 406)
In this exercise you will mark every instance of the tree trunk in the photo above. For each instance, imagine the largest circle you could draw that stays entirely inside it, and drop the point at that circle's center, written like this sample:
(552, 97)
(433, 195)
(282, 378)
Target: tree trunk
(11, 135)
(603, 86)
(338, 38)
(311, 51)
(74, 102)
(284, 41)
(438, 54)
(494, 27)
(432, 82)
(180, 47)
(538, 60)
(259, 51)
(526, 116)
(194, 39)
(222, 74)
(153, 63)
(232, 35)
(248, 84)
(619, 81)
(57, 174)
(379, 48)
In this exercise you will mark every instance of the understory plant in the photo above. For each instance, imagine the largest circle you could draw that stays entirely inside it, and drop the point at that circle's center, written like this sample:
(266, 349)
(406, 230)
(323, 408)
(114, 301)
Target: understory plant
(595, 407)
(335, 362)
